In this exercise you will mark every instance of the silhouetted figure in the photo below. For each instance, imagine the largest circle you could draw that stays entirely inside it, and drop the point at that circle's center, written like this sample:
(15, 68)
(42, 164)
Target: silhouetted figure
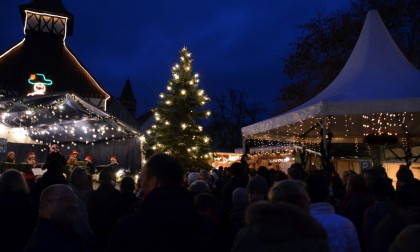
(166, 219)
(57, 214)
(122, 206)
(279, 227)
(18, 213)
(342, 235)
(98, 203)
(238, 179)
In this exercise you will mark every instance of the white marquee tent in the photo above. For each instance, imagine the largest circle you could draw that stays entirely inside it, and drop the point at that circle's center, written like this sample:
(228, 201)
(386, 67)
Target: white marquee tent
(377, 90)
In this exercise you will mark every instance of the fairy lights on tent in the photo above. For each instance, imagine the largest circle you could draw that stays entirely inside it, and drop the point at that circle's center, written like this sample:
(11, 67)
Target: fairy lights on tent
(352, 129)
(61, 119)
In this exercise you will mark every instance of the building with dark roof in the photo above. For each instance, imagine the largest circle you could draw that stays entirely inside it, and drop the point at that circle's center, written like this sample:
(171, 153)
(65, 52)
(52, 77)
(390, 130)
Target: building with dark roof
(42, 63)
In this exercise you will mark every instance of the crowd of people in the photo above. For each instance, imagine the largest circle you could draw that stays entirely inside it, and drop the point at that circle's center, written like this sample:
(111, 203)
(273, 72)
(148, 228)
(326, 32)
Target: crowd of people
(227, 209)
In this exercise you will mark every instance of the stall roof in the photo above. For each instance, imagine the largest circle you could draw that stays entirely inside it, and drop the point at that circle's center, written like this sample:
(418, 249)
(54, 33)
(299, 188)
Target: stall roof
(377, 78)
(63, 118)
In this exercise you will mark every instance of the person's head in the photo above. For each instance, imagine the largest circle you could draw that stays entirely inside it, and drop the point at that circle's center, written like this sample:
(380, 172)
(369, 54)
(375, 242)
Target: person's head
(114, 160)
(31, 157)
(11, 155)
(317, 186)
(263, 171)
(72, 157)
(13, 181)
(291, 191)
(53, 147)
(75, 152)
(355, 183)
(160, 170)
(58, 204)
(88, 159)
(380, 170)
(257, 189)
(237, 169)
(206, 204)
(284, 221)
(198, 186)
(107, 177)
(296, 172)
(404, 176)
(205, 175)
(240, 197)
(407, 240)
(127, 185)
(79, 178)
(192, 176)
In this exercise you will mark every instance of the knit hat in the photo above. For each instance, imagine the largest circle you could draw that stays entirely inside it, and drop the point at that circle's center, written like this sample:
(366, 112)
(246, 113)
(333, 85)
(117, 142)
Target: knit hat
(240, 196)
(31, 154)
(257, 184)
(75, 152)
(199, 186)
(10, 153)
(114, 158)
(88, 158)
(193, 176)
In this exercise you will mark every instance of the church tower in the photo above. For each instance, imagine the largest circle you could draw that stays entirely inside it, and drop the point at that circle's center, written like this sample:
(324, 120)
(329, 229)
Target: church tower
(128, 99)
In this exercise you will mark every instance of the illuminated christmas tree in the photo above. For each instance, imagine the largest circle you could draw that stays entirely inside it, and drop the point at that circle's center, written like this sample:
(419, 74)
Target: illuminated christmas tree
(176, 131)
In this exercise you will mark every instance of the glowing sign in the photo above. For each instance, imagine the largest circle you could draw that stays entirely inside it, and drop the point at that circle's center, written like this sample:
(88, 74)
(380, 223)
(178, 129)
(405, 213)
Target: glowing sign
(40, 82)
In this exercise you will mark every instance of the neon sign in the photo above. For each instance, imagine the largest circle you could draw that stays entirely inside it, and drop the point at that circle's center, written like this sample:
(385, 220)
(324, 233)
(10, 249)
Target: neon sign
(40, 82)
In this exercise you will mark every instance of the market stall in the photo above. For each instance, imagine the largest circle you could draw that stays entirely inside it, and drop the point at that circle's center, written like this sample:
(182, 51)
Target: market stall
(32, 123)
(374, 101)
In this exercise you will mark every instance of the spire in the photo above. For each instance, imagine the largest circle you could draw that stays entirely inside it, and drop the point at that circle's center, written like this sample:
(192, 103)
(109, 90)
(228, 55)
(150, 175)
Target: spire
(127, 92)
(43, 17)
(128, 99)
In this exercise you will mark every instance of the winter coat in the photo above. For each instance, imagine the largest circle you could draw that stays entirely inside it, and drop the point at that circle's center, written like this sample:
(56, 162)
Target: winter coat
(342, 234)
(166, 221)
(51, 237)
(19, 216)
(284, 228)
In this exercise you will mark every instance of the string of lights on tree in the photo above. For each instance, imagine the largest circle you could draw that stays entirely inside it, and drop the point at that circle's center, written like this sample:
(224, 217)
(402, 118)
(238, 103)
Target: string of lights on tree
(57, 119)
(176, 131)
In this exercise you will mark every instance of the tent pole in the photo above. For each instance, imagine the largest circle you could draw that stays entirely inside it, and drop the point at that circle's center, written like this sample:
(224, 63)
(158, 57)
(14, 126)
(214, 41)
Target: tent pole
(324, 134)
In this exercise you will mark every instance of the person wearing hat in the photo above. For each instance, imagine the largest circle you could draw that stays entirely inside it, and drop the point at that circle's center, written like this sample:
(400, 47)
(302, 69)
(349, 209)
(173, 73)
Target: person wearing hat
(31, 159)
(29, 175)
(75, 154)
(11, 157)
(72, 160)
(114, 164)
(89, 165)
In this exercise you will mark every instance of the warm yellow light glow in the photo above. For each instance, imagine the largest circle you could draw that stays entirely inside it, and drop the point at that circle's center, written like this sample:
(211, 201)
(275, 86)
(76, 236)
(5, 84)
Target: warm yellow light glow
(183, 126)
(183, 92)
(168, 102)
(169, 88)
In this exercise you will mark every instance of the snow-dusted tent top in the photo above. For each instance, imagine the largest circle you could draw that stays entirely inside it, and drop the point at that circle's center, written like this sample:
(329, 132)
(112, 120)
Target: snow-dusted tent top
(377, 78)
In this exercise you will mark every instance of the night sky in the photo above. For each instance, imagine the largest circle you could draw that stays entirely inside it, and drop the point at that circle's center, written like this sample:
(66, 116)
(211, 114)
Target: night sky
(238, 44)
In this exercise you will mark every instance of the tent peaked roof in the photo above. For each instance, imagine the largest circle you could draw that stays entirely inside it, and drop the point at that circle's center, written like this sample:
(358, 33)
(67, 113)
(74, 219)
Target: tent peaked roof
(376, 69)
(377, 78)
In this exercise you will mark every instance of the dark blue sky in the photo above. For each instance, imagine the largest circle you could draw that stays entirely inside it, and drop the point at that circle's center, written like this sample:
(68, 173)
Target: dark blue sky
(238, 44)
